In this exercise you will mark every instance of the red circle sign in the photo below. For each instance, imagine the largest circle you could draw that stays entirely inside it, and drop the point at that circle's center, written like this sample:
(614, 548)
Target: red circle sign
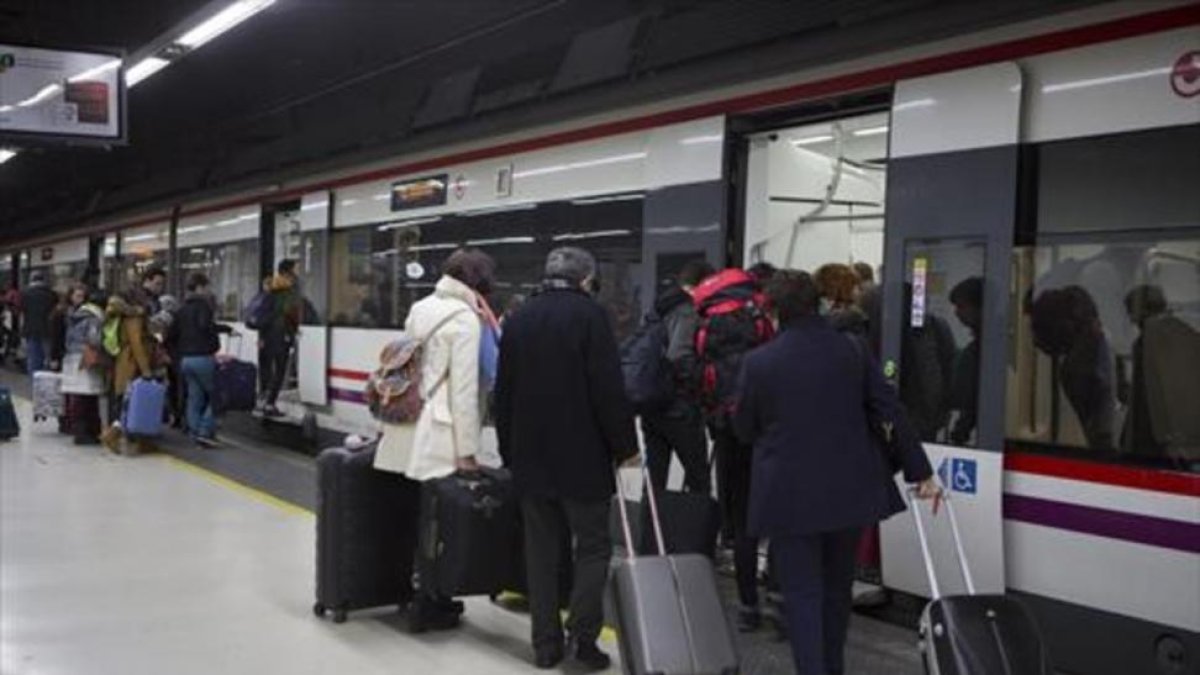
(1185, 76)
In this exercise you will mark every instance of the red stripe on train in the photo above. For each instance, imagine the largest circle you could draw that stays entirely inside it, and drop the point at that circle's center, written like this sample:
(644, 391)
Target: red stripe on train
(358, 375)
(1156, 480)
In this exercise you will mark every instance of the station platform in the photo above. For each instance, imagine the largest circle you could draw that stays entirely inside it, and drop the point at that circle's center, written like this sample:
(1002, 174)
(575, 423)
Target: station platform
(201, 561)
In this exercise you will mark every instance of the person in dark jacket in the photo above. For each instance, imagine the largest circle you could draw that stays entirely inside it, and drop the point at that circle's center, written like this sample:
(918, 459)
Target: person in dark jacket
(563, 424)
(278, 337)
(809, 402)
(194, 334)
(37, 304)
(679, 427)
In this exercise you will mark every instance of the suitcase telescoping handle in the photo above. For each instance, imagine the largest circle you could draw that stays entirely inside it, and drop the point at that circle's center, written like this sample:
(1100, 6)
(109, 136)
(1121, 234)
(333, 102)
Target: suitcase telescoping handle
(630, 550)
(915, 506)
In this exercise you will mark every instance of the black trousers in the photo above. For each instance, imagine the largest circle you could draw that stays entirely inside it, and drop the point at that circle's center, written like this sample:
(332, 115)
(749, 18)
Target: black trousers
(547, 523)
(274, 363)
(816, 573)
(734, 463)
(680, 431)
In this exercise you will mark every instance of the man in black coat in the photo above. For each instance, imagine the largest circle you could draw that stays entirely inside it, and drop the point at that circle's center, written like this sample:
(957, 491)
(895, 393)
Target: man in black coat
(828, 434)
(564, 423)
(37, 304)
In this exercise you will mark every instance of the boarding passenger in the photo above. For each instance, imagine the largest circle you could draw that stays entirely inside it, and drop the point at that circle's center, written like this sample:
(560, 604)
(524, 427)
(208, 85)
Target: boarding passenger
(277, 336)
(967, 298)
(809, 401)
(841, 294)
(37, 303)
(679, 426)
(564, 423)
(194, 335)
(84, 365)
(126, 337)
(149, 293)
(446, 437)
(871, 303)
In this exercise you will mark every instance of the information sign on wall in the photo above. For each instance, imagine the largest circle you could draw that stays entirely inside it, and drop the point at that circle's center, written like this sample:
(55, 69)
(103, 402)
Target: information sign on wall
(58, 94)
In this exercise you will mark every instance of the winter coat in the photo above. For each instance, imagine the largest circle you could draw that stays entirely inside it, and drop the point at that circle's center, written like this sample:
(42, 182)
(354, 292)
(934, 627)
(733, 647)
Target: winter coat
(194, 332)
(681, 321)
(451, 421)
(138, 347)
(84, 327)
(37, 303)
(287, 310)
(562, 417)
(811, 402)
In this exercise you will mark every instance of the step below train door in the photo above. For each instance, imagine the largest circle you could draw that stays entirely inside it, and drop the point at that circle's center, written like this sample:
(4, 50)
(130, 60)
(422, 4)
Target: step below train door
(952, 186)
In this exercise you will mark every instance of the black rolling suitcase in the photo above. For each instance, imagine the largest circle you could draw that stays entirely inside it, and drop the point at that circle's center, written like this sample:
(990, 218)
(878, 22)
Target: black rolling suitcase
(366, 534)
(670, 619)
(975, 634)
(469, 535)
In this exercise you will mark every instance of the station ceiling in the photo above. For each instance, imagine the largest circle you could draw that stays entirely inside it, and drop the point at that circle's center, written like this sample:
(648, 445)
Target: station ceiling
(312, 83)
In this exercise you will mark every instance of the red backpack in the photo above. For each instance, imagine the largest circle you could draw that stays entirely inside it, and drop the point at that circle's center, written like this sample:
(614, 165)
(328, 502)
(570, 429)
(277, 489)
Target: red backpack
(733, 320)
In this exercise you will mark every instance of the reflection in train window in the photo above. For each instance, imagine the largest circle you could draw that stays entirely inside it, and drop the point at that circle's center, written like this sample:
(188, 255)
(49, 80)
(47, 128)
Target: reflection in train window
(1105, 350)
(232, 269)
(940, 347)
(378, 271)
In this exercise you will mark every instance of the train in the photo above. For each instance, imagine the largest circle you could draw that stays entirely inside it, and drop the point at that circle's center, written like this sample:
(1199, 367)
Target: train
(1029, 196)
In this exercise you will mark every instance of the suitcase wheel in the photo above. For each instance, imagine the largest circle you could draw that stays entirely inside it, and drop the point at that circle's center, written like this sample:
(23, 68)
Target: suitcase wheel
(339, 616)
(319, 610)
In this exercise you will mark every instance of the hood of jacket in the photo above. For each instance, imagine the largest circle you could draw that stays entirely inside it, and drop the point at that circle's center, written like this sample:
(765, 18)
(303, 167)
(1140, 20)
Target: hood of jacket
(282, 282)
(87, 310)
(118, 306)
(449, 287)
(670, 299)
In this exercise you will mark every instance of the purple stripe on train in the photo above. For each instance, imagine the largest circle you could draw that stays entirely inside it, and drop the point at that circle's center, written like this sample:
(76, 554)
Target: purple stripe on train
(348, 395)
(1131, 527)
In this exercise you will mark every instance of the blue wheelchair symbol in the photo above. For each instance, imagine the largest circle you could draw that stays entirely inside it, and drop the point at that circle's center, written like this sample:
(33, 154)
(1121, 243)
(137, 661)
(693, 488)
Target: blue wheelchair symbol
(959, 475)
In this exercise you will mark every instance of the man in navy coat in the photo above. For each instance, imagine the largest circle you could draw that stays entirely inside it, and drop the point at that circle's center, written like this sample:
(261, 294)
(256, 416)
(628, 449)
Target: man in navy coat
(828, 435)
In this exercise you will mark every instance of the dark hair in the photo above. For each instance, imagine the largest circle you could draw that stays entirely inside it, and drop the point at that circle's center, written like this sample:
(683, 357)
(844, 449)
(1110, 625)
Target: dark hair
(153, 272)
(968, 292)
(866, 273)
(793, 295)
(1060, 317)
(473, 267)
(837, 282)
(197, 280)
(762, 272)
(286, 266)
(694, 271)
(1145, 301)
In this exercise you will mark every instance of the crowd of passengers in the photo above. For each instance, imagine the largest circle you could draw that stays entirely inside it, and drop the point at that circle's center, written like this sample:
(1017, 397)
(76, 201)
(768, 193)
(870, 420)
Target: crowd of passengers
(805, 454)
(100, 342)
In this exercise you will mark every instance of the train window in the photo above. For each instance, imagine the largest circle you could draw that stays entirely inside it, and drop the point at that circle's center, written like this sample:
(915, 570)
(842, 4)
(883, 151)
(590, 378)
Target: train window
(232, 269)
(940, 347)
(1106, 346)
(380, 270)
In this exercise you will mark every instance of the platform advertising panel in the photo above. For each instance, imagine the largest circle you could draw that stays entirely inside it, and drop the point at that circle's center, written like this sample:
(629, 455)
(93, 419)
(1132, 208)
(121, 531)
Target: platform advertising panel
(57, 94)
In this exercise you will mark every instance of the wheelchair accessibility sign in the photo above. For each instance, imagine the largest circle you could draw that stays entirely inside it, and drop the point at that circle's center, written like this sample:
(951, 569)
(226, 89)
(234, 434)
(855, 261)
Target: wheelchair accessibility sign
(959, 475)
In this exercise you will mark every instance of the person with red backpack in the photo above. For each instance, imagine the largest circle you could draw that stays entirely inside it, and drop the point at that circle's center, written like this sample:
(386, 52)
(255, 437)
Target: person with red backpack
(733, 320)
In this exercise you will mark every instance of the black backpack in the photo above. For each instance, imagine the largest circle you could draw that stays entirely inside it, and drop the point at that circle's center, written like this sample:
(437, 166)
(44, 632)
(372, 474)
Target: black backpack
(649, 384)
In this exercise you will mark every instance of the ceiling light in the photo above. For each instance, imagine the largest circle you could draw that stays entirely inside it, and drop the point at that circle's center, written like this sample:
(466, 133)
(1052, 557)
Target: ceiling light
(6, 154)
(871, 131)
(223, 21)
(143, 69)
(812, 140)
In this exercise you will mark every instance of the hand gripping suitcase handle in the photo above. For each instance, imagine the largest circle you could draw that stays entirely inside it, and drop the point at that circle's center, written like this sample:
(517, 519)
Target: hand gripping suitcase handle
(927, 555)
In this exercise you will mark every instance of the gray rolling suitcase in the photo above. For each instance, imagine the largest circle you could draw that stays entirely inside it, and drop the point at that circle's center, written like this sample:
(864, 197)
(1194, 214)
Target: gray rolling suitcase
(975, 634)
(670, 620)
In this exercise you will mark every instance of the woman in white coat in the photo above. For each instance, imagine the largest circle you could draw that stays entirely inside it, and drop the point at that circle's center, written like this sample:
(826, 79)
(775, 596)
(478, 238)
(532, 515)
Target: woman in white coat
(83, 365)
(446, 437)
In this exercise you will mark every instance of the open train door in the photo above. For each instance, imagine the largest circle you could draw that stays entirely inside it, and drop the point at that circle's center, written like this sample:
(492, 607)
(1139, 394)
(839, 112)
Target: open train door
(952, 186)
(311, 252)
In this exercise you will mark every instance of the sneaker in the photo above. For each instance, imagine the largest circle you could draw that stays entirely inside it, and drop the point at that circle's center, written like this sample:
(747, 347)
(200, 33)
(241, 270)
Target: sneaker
(590, 657)
(207, 441)
(749, 620)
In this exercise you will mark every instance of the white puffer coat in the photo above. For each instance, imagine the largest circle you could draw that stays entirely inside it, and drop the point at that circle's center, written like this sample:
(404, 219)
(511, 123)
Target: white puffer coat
(451, 420)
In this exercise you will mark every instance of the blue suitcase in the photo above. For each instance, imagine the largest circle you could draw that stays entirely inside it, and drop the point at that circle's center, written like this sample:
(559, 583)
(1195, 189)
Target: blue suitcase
(144, 402)
(9, 427)
(235, 386)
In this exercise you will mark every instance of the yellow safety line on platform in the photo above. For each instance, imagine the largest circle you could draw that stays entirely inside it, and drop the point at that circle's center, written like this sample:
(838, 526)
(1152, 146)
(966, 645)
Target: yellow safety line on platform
(251, 492)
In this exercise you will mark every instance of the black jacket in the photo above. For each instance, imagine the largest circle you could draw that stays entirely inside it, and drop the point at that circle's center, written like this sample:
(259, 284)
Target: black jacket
(679, 317)
(561, 413)
(194, 331)
(37, 302)
(812, 401)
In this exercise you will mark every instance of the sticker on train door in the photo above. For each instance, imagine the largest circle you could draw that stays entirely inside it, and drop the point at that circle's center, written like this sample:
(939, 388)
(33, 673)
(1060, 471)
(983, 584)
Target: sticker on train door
(959, 475)
(920, 273)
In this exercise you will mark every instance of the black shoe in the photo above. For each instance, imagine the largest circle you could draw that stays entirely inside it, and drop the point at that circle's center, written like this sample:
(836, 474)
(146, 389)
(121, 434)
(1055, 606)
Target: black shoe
(425, 615)
(87, 440)
(590, 657)
(749, 620)
(548, 659)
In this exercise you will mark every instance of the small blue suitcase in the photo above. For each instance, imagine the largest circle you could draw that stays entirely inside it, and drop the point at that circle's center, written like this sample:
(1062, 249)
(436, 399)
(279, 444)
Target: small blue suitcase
(144, 403)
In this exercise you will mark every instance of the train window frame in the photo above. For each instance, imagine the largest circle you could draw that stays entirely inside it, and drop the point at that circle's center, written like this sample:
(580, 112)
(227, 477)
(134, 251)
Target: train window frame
(1038, 391)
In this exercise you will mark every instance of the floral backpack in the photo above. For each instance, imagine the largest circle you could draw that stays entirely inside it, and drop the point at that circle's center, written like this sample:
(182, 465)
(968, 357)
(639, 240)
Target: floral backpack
(394, 389)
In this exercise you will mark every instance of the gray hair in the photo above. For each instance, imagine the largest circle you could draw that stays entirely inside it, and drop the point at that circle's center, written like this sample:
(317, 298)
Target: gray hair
(570, 263)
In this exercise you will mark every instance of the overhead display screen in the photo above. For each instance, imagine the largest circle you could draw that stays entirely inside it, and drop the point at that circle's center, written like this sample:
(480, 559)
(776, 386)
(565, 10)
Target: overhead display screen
(419, 192)
(54, 93)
